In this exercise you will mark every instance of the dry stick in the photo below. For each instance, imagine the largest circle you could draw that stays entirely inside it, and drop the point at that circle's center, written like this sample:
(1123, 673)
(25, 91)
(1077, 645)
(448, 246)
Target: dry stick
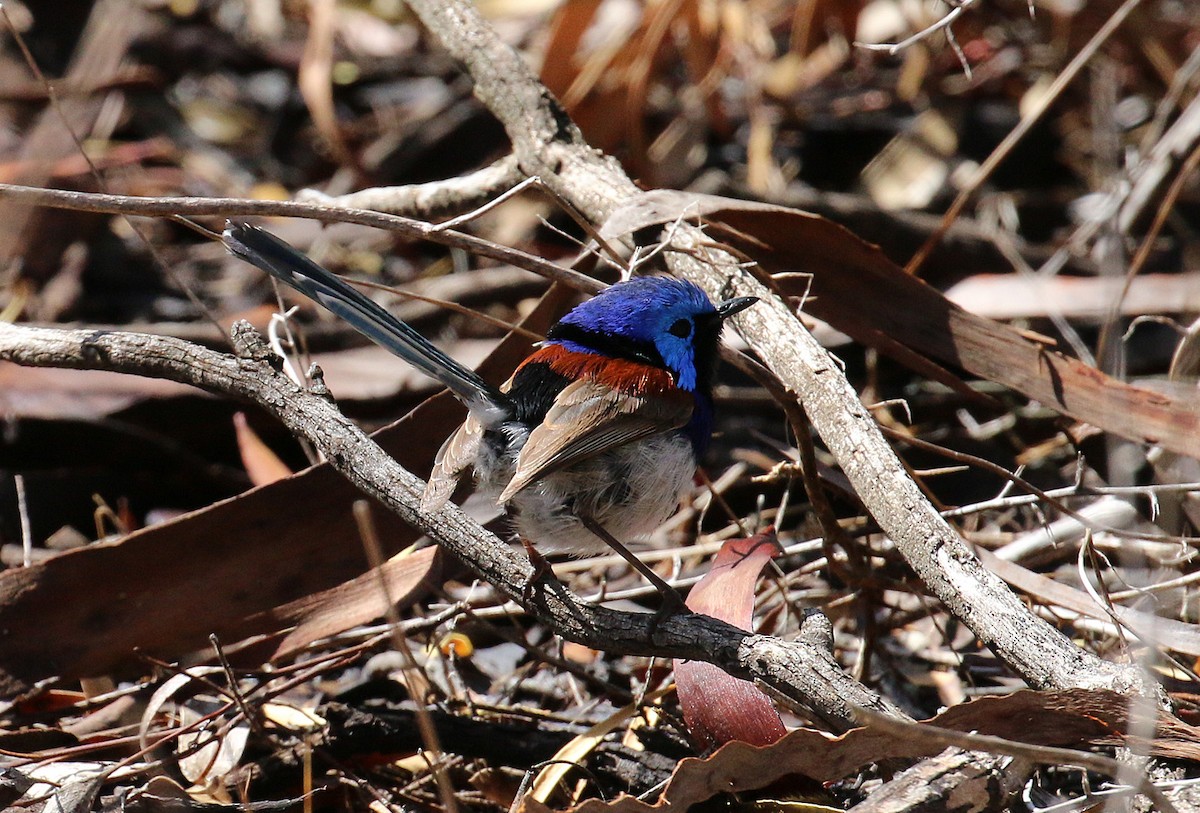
(1150, 491)
(172, 207)
(1045, 496)
(490, 204)
(1152, 169)
(805, 673)
(427, 200)
(1020, 131)
(412, 674)
(252, 719)
(1100, 595)
(26, 529)
(717, 496)
(1182, 179)
(832, 533)
(893, 48)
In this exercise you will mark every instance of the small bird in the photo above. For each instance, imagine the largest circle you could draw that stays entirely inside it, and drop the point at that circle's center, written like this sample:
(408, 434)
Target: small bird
(598, 432)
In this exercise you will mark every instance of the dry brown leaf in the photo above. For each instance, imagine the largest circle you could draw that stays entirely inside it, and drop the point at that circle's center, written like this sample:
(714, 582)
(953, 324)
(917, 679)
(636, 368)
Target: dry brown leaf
(36, 392)
(591, 85)
(718, 707)
(262, 464)
(1066, 718)
(570, 22)
(405, 578)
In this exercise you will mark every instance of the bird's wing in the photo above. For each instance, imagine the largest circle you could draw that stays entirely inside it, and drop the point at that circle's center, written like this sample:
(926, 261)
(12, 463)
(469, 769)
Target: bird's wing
(589, 418)
(457, 455)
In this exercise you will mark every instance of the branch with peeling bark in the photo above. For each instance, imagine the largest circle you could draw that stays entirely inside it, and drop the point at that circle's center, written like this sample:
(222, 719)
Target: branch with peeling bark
(805, 672)
(547, 144)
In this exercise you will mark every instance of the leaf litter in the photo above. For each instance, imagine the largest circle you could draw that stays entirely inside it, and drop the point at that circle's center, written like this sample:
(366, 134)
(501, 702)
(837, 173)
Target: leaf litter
(752, 111)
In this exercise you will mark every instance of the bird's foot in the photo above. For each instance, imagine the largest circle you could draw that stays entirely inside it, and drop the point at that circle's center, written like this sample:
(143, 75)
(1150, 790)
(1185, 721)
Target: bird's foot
(541, 570)
(672, 605)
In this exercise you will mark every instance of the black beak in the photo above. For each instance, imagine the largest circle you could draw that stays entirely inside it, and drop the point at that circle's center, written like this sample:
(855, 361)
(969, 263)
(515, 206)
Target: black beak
(736, 305)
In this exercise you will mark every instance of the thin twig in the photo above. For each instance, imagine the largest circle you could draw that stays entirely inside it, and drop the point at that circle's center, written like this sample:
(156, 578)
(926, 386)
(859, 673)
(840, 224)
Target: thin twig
(999, 470)
(1043, 103)
(894, 48)
(234, 690)
(244, 207)
(427, 200)
(1184, 177)
(166, 267)
(413, 678)
(23, 513)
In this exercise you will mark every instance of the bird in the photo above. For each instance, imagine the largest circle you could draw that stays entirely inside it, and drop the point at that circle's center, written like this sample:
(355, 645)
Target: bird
(598, 432)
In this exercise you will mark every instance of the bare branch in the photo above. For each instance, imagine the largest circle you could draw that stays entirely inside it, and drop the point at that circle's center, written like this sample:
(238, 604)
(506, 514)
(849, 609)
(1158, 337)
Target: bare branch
(245, 207)
(805, 673)
(427, 200)
(548, 144)
(894, 48)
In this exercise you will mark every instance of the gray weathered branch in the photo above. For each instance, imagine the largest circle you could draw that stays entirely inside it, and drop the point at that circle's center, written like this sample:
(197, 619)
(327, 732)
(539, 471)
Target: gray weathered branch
(432, 199)
(805, 673)
(549, 145)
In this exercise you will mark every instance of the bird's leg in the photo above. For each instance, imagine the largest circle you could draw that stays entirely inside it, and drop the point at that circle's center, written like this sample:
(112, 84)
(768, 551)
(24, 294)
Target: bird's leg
(541, 568)
(672, 602)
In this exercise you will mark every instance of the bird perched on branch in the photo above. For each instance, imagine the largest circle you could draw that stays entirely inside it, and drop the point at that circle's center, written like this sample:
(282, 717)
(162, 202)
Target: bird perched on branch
(598, 431)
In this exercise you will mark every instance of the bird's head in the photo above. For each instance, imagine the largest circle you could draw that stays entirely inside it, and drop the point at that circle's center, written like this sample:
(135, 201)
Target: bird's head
(662, 321)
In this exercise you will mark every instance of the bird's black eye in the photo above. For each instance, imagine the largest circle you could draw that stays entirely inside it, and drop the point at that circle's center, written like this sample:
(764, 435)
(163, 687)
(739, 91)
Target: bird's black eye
(682, 328)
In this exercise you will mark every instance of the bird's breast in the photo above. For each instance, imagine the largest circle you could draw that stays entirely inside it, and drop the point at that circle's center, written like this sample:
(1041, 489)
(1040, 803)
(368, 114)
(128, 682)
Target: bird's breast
(623, 375)
(630, 490)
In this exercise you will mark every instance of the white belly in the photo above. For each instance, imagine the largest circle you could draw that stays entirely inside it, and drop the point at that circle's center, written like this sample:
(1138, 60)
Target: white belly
(630, 491)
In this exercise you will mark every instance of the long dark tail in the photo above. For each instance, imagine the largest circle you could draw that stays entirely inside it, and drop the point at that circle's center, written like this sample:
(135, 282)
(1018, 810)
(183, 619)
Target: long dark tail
(277, 258)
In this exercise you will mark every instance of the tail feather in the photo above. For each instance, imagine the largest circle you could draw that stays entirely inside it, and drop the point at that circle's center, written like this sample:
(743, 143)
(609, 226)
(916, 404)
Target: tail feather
(268, 252)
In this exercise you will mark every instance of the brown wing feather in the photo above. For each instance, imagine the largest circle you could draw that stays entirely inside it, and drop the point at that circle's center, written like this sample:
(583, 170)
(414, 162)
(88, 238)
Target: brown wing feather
(456, 456)
(587, 419)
